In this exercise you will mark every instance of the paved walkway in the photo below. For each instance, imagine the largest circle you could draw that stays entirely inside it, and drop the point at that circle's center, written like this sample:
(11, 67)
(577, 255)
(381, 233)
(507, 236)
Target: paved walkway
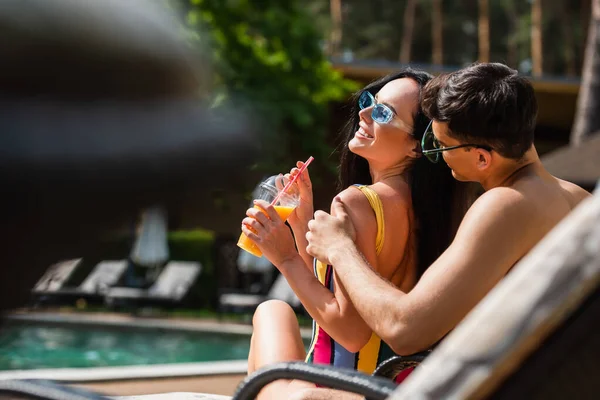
(178, 396)
(217, 385)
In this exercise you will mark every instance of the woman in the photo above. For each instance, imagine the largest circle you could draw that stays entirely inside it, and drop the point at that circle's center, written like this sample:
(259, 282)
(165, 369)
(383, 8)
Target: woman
(403, 212)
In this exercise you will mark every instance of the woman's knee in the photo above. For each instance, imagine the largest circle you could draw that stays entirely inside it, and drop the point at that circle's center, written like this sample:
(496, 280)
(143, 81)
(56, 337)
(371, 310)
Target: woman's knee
(273, 310)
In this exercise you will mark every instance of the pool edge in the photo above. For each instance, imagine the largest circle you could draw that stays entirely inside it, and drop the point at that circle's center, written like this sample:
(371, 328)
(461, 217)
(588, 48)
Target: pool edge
(132, 372)
(124, 321)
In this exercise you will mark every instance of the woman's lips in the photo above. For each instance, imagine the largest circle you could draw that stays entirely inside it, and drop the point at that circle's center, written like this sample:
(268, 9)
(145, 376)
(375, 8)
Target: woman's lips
(362, 134)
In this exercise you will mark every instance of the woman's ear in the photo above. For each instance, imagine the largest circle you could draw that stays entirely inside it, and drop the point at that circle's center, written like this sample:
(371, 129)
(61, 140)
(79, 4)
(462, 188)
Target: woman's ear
(416, 151)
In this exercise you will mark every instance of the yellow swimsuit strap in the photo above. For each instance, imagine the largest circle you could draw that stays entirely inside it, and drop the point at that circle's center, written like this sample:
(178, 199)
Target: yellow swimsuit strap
(377, 206)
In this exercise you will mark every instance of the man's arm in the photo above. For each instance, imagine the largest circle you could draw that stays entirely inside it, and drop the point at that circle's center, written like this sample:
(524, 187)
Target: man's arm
(491, 238)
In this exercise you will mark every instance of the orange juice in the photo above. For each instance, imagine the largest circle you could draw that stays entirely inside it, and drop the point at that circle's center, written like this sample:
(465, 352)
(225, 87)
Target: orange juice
(246, 244)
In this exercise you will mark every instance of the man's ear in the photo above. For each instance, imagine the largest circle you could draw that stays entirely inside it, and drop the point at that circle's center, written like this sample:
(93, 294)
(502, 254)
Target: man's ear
(484, 159)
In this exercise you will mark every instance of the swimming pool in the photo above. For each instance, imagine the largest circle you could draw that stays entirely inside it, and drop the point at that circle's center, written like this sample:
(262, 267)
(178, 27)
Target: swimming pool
(32, 346)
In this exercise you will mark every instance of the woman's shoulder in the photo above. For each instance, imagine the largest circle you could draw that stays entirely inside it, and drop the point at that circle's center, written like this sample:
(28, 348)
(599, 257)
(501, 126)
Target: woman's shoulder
(397, 194)
(361, 214)
(354, 199)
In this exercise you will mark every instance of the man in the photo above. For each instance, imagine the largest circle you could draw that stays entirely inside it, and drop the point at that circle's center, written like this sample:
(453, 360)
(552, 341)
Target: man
(483, 119)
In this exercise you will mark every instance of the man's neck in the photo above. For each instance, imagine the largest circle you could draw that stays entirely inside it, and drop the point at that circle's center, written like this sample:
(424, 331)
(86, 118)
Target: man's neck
(509, 171)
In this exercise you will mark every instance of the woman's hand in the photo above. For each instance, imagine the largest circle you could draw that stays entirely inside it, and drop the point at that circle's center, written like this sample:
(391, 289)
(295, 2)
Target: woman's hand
(264, 227)
(305, 210)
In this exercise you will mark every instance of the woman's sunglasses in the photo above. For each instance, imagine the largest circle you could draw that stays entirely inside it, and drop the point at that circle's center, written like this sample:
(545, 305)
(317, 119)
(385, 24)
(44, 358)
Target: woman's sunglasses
(381, 113)
(432, 149)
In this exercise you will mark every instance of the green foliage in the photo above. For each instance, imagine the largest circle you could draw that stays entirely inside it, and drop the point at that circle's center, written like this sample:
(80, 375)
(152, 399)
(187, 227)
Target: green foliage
(269, 53)
(197, 245)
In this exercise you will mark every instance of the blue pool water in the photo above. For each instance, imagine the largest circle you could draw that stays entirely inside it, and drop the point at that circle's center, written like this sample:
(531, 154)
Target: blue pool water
(31, 346)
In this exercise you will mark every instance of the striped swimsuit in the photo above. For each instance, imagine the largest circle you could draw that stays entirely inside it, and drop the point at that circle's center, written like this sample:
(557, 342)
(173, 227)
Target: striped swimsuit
(323, 349)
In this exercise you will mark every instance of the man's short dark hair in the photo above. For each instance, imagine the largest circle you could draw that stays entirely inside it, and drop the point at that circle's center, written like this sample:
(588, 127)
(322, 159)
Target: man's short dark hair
(488, 104)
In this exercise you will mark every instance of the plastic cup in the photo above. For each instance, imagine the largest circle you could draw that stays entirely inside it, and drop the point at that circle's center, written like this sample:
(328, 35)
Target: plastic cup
(268, 191)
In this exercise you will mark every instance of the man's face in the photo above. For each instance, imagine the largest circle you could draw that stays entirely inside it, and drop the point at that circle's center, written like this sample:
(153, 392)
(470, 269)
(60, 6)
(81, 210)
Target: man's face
(463, 161)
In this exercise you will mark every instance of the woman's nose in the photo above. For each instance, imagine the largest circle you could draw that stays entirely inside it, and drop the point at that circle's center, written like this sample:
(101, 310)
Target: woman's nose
(365, 114)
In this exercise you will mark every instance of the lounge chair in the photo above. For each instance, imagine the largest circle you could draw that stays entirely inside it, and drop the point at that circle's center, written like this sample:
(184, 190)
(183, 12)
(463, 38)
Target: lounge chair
(170, 288)
(104, 275)
(534, 336)
(247, 302)
(55, 277)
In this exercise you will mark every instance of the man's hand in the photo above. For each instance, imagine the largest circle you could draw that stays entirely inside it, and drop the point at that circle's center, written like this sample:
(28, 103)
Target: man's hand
(330, 233)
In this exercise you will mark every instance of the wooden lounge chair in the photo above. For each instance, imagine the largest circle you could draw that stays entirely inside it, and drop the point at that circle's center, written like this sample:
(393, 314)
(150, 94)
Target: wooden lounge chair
(170, 288)
(104, 275)
(247, 302)
(55, 277)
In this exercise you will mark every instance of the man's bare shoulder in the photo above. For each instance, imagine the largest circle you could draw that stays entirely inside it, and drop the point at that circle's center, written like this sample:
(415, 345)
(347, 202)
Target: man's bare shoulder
(520, 215)
(499, 228)
(576, 192)
(498, 204)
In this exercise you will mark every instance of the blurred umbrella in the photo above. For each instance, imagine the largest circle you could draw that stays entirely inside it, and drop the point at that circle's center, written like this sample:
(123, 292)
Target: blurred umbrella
(151, 248)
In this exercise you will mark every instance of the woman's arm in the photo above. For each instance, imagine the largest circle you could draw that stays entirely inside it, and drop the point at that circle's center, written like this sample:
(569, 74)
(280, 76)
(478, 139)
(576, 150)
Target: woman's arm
(334, 312)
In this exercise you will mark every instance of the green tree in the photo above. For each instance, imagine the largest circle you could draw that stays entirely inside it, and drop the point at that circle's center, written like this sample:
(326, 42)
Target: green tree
(377, 30)
(408, 30)
(335, 38)
(437, 33)
(483, 29)
(270, 54)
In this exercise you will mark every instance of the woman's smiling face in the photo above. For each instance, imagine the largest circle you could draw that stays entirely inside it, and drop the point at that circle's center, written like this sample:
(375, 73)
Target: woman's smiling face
(392, 143)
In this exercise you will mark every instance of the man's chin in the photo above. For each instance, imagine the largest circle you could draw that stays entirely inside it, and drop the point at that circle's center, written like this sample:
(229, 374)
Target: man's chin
(458, 177)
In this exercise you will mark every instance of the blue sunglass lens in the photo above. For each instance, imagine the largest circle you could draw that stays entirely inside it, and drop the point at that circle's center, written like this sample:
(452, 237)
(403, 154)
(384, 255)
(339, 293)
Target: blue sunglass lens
(382, 114)
(365, 100)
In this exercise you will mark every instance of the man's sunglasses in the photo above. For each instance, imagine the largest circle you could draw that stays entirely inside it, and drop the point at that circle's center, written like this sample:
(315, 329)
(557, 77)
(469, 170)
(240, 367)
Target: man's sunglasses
(381, 113)
(432, 149)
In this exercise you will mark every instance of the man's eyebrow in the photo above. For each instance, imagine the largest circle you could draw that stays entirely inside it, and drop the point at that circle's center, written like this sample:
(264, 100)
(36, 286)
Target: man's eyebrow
(441, 142)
